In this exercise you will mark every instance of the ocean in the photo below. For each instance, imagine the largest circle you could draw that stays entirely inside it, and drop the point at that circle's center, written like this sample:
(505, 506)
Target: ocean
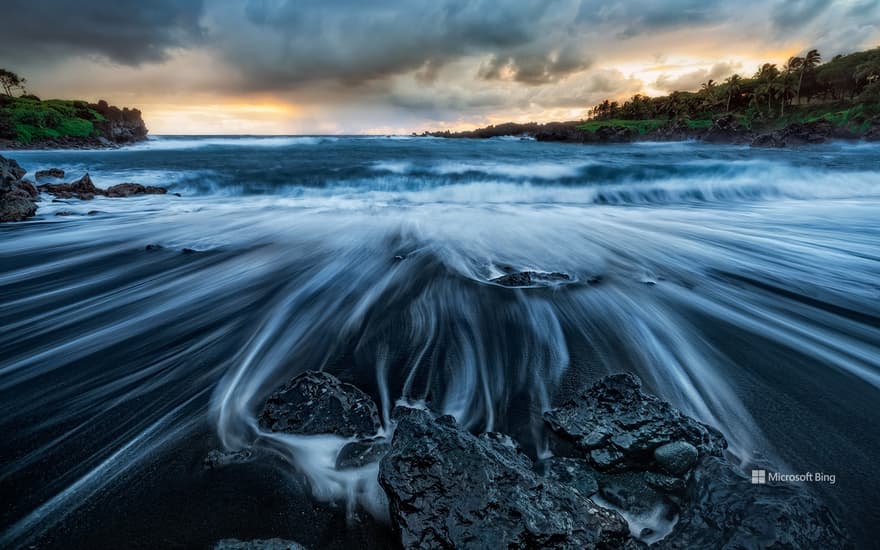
(742, 285)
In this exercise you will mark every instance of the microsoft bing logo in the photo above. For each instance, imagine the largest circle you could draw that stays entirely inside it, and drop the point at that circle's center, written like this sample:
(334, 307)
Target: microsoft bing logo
(759, 477)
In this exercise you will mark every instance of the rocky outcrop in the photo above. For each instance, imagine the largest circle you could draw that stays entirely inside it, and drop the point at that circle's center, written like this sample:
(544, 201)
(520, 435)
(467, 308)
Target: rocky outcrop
(644, 457)
(18, 197)
(319, 403)
(85, 189)
(723, 509)
(616, 426)
(131, 189)
(802, 133)
(727, 129)
(56, 173)
(120, 126)
(450, 489)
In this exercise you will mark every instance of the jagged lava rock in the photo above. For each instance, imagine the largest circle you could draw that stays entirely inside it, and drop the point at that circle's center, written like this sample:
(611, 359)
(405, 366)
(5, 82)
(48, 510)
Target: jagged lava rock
(615, 425)
(319, 403)
(83, 189)
(130, 189)
(18, 197)
(450, 489)
(725, 510)
(50, 173)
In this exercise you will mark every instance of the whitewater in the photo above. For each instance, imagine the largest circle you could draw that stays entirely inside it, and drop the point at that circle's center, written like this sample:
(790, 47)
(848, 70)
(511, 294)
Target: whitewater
(741, 285)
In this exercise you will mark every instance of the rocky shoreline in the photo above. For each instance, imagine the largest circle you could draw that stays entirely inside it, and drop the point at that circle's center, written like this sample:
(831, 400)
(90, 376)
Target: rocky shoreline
(725, 129)
(620, 459)
(20, 197)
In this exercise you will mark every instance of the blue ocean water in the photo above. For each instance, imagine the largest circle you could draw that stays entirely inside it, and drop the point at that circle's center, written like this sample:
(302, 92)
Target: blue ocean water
(741, 284)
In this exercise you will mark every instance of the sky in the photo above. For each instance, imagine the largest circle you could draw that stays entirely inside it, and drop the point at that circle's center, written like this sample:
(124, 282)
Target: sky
(397, 66)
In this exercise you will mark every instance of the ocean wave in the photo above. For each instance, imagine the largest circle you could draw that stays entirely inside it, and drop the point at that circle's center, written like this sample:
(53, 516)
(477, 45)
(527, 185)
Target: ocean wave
(164, 143)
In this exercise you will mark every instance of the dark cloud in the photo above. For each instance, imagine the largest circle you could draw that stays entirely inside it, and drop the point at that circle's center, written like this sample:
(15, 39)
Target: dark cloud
(632, 18)
(535, 68)
(436, 58)
(123, 31)
(287, 43)
(792, 14)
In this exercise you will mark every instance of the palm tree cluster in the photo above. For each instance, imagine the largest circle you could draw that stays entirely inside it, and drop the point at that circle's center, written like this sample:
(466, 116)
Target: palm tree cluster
(854, 77)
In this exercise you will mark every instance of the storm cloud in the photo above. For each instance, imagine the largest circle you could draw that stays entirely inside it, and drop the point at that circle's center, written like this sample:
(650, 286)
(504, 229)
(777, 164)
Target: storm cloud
(409, 63)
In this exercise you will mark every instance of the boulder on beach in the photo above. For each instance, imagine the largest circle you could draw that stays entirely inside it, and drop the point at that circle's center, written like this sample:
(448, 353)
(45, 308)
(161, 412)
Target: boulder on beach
(450, 489)
(18, 197)
(648, 458)
(616, 426)
(316, 402)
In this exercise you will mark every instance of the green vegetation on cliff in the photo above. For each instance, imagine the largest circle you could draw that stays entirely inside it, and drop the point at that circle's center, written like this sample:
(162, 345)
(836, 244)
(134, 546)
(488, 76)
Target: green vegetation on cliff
(27, 118)
(27, 121)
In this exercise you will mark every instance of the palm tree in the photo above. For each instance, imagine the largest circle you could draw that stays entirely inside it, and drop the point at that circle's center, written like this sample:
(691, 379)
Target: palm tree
(734, 85)
(785, 89)
(808, 63)
(766, 77)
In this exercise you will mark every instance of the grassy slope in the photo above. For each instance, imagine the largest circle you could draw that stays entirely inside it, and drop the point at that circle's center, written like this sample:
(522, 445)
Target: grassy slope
(27, 119)
(854, 117)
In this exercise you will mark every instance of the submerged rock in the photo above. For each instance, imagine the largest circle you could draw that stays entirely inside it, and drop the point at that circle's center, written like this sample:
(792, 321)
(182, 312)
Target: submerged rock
(531, 278)
(450, 489)
(615, 425)
(319, 403)
(259, 544)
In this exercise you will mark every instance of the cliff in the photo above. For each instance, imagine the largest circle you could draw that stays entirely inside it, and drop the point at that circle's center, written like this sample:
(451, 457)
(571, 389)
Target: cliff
(29, 123)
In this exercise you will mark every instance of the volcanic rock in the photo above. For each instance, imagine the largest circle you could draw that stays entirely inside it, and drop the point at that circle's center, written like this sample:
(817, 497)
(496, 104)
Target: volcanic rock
(450, 489)
(319, 403)
(129, 189)
(614, 425)
(725, 510)
(82, 189)
(677, 457)
(653, 459)
(360, 453)
(531, 278)
(18, 197)
(574, 472)
(50, 173)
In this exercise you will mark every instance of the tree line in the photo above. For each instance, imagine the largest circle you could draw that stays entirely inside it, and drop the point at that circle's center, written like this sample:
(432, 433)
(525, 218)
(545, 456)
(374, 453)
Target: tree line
(854, 77)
